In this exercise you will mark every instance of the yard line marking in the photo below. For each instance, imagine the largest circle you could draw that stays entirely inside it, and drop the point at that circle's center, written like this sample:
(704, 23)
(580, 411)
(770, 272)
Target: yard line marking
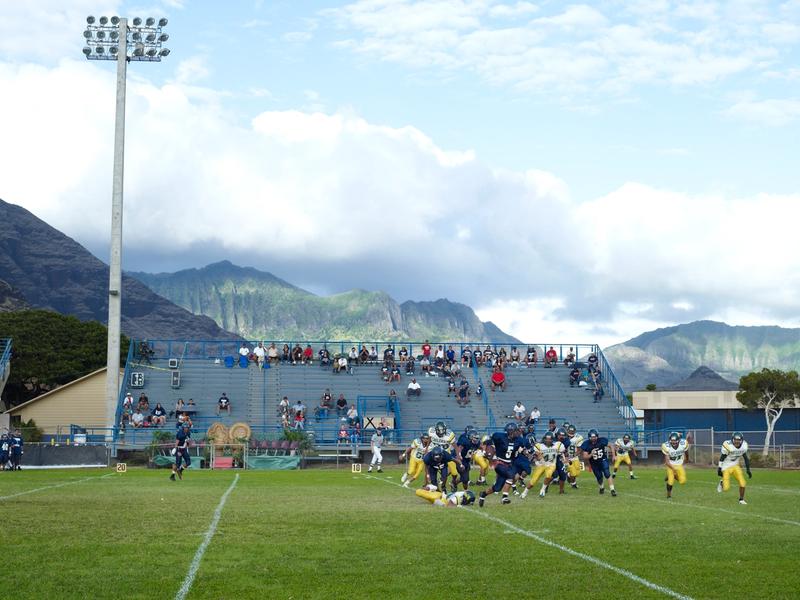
(587, 557)
(198, 556)
(741, 513)
(56, 485)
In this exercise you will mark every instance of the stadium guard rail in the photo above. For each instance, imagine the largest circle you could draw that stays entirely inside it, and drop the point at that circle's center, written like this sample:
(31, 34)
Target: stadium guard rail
(5, 360)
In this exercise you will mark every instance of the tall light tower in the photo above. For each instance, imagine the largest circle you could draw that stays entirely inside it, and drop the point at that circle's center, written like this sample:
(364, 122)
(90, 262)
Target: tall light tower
(113, 39)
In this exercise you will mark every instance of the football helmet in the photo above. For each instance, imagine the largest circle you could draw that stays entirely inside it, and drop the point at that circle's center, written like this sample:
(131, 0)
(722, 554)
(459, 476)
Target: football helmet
(547, 439)
(571, 430)
(468, 498)
(593, 435)
(737, 438)
(437, 455)
(512, 430)
(440, 428)
(674, 439)
(474, 437)
(626, 438)
(425, 438)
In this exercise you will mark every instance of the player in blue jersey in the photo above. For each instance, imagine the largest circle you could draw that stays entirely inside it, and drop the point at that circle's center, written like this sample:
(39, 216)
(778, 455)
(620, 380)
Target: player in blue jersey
(596, 449)
(16, 450)
(5, 451)
(437, 461)
(522, 460)
(506, 444)
(466, 446)
(181, 451)
(560, 474)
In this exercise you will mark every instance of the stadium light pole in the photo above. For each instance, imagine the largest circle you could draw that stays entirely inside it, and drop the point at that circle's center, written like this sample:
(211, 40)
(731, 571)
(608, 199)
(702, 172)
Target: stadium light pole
(114, 39)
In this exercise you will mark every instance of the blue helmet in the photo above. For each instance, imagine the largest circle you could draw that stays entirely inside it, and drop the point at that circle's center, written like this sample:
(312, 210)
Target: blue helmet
(437, 454)
(474, 437)
(511, 429)
(593, 434)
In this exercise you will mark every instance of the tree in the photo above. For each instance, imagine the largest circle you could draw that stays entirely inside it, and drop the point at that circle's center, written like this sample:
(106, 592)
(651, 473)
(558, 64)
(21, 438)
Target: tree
(650, 387)
(771, 391)
(49, 350)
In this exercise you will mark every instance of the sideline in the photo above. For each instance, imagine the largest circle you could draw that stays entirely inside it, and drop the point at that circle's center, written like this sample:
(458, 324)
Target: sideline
(198, 556)
(739, 513)
(56, 485)
(565, 549)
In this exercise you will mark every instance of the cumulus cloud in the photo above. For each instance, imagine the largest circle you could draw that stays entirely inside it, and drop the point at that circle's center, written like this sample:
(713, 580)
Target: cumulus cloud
(334, 199)
(773, 112)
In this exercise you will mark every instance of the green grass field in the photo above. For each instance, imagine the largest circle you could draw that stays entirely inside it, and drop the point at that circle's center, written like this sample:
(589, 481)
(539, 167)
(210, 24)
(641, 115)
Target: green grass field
(333, 534)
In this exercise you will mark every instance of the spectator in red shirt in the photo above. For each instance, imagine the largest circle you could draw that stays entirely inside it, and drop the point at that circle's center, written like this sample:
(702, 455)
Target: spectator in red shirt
(550, 357)
(498, 380)
(308, 355)
(426, 350)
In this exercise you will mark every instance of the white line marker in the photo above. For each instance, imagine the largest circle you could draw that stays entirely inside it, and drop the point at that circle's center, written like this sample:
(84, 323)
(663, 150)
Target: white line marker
(570, 551)
(738, 513)
(198, 556)
(57, 485)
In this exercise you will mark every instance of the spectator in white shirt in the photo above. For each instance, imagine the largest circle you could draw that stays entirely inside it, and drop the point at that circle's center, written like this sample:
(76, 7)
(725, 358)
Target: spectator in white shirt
(243, 351)
(352, 415)
(414, 389)
(341, 365)
(137, 419)
(298, 407)
(260, 353)
(519, 411)
(535, 415)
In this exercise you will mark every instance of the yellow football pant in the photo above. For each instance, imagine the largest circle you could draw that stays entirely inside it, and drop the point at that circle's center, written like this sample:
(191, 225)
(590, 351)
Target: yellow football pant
(676, 472)
(415, 467)
(736, 471)
(574, 468)
(481, 461)
(452, 468)
(547, 471)
(429, 496)
(622, 458)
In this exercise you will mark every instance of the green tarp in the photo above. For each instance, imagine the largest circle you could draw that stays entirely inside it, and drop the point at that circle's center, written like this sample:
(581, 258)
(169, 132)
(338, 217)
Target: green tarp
(273, 463)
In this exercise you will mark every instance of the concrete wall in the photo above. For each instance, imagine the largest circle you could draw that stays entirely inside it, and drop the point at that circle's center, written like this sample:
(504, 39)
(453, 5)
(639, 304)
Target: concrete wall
(685, 400)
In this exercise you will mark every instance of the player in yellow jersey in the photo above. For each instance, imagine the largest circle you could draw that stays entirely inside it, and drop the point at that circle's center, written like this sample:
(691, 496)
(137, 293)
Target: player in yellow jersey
(437, 498)
(446, 440)
(547, 453)
(479, 458)
(575, 465)
(414, 453)
(732, 450)
(674, 450)
(625, 448)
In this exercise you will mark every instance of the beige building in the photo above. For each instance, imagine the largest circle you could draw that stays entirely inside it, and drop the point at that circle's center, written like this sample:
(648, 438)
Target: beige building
(80, 402)
(689, 400)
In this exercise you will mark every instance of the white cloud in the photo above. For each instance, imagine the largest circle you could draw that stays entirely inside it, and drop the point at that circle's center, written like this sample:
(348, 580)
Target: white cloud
(772, 112)
(296, 37)
(505, 11)
(192, 70)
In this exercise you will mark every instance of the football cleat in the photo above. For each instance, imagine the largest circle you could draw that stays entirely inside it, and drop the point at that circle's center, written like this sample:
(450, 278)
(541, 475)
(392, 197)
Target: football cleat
(574, 486)
(633, 476)
(602, 490)
(482, 499)
(405, 484)
(614, 493)
(505, 500)
(742, 501)
(379, 469)
(542, 493)
(524, 494)
(404, 477)
(719, 487)
(172, 477)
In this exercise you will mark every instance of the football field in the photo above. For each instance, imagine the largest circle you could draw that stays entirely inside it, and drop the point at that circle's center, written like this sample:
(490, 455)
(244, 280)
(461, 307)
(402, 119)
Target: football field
(335, 534)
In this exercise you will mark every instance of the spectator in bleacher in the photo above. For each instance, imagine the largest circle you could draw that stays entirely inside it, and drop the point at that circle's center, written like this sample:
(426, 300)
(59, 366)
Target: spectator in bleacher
(439, 354)
(286, 354)
(410, 366)
(388, 354)
(137, 419)
(466, 357)
(308, 355)
(597, 376)
(463, 392)
(531, 357)
(297, 407)
(299, 420)
(352, 415)
(592, 362)
(353, 356)
(502, 361)
(498, 379)
(355, 432)
(244, 351)
(363, 356)
(394, 373)
(127, 401)
(450, 355)
(574, 376)
(324, 357)
(340, 364)
(569, 359)
(520, 412)
(425, 365)
(426, 350)
(535, 416)
(477, 356)
(285, 420)
(392, 399)
(551, 426)
(451, 386)
(341, 406)
(180, 406)
(260, 353)
(272, 353)
(455, 369)
(327, 397)
(515, 357)
(325, 404)
(125, 418)
(144, 403)
(373, 354)
(224, 403)
(550, 357)
(479, 390)
(488, 356)
(159, 415)
(386, 371)
(598, 394)
(283, 406)
(413, 389)
(403, 354)
(343, 436)
(146, 352)
(502, 354)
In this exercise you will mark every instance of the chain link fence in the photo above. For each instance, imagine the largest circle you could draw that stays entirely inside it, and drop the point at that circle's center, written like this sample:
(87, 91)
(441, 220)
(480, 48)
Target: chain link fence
(783, 453)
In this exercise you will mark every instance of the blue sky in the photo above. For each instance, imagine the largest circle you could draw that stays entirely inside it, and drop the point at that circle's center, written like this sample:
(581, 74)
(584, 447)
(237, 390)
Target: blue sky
(569, 169)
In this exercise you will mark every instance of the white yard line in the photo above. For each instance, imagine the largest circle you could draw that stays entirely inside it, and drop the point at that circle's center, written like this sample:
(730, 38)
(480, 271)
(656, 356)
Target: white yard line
(739, 513)
(198, 556)
(55, 485)
(587, 557)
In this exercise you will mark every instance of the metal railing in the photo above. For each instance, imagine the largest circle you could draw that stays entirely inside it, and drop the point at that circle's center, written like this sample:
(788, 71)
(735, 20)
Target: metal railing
(5, 360)
(615, 391)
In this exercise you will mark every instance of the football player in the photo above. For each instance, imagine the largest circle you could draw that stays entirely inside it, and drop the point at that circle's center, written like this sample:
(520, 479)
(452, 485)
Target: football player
(467, 445)
(732, 450)
(442, 438)
(574, 455)
(547, 452)
(480, 458)
(5, 451)
(181, 450)
(506, 444)
(437, 462)
(522, 460)
(674, 450)
(437, 498)
(414, 454)
(595, 448)
(560, 473)
(625, 448)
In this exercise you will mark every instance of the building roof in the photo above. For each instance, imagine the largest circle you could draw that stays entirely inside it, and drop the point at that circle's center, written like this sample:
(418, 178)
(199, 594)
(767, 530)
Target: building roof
(58, 389)
(703, 380)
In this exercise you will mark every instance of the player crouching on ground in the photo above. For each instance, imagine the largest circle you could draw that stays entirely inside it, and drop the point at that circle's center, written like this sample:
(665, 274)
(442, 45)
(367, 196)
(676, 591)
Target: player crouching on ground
(732, 450)
(414, 454)
(624, 448)
(674, 450)
(437, 498)
(181, 450)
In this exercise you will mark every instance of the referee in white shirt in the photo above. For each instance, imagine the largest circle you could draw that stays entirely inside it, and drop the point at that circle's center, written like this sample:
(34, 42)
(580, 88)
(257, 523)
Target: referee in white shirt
(375, 444)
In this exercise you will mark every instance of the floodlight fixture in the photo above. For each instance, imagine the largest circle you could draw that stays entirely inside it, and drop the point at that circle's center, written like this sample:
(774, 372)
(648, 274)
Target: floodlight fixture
(87, 34)
(103, 20)
(162, 22)
(115, 20)
(99, 49)
(164, 52)
(87, 51)
(163, 37)
(150, 21)
(90, 20)
(140, 37)
(114, 50)
(101, 35)
(137, 22)
(150, 37)
(136, 36)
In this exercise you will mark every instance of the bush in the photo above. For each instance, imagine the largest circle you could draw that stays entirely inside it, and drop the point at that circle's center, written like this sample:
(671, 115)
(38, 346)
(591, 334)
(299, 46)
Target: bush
(30, 432)
(758, 461)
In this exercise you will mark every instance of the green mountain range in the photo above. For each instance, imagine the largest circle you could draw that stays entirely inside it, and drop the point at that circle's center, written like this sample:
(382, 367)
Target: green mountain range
(258, 305)
(666, 356)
